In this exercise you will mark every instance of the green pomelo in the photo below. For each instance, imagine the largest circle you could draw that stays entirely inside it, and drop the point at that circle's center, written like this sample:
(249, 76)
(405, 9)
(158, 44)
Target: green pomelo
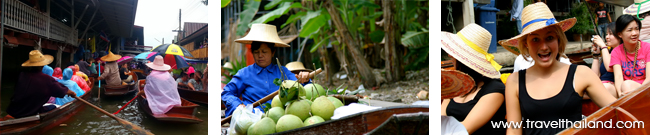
(276, 102)
(337, 103)
(288, 84)
(243, 123)
(262, 127)
(314, 90)
(313, 120)
(275, 113)
(288, 122)
(309, 101)
(323, 107)
(299, 108)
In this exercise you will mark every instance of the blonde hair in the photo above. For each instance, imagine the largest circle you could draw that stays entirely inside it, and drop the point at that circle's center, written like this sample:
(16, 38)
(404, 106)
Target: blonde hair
(561, 37)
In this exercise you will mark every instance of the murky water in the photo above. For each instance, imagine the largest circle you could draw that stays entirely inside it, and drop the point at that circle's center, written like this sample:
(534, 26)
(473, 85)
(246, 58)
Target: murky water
(91, 121)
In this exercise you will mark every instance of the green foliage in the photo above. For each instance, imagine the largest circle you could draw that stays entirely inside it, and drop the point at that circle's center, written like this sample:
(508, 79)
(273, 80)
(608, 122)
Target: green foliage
(236, 66)
(224, 3)
(245, 17)
(283, 9)
(266, 107)
(274, 3)
(581, 13)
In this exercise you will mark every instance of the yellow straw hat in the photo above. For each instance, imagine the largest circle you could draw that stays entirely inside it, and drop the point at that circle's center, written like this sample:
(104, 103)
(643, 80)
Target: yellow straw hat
(470, 47)
(297, 66)
(536, 17)
(111, 57)
(263, 33)
(36, 58)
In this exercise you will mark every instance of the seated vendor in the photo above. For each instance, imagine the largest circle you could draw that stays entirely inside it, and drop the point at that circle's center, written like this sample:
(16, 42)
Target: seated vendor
(33, 88)
(183, 80)
(125, 74)
(111, 73)
(160, 89)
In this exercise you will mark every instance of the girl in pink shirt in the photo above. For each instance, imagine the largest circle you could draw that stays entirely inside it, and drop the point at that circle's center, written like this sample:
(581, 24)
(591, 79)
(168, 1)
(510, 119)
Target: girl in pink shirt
(629, 59)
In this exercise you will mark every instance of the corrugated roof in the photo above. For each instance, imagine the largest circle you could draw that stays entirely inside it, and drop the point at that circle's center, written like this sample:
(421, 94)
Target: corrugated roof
(191, 27)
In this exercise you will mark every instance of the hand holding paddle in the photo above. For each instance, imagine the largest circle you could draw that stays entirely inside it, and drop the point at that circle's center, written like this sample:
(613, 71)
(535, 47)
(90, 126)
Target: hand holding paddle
(132, 127)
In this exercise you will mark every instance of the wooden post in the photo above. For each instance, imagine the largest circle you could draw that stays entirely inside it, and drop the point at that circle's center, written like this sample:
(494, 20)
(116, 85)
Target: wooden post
(365, 72)
(393, 63)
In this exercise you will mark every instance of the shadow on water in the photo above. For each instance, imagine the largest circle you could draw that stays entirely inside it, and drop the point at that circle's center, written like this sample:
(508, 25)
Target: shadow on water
(91, 121)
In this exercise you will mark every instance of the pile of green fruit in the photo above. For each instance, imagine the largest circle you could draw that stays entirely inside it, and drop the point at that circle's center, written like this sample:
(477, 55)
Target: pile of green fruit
(295, 107)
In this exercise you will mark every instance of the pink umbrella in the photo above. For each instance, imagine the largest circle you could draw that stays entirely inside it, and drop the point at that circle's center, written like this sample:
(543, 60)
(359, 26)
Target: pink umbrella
(124, 59)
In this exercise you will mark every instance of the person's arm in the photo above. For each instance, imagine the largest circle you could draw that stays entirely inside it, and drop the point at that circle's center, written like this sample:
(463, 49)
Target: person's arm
(513, 110)
(443, 107)
(595, 66)
(618, 79)
(610, 18)
(59, 90)
(231, 92)
(594, 88)
(483, 111)
(596, 18)
(189, 84)
(647, 64)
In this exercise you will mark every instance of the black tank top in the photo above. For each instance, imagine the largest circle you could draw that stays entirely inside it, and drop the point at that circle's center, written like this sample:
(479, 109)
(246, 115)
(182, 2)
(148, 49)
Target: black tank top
(461, 110)
(566, 105)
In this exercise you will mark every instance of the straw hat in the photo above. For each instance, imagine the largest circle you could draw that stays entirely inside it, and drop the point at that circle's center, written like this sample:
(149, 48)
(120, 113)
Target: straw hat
(639, 7)
(455, 83)
(111, 57)
(297, 66)
(470, 47)
(536, 17)
(159, 64)
(227, 65)
(263, 33)
(36, 58)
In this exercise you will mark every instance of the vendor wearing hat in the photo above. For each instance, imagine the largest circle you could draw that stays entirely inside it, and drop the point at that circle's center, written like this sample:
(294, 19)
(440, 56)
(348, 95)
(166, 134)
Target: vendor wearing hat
(549, 90)
(256, 81)
(34, 88)
(640, 10)
(111, 72)
(485, 101)
(160, 88)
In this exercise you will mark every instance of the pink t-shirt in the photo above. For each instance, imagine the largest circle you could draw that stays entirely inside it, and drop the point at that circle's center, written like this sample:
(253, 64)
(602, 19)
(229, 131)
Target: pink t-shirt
(629, 73)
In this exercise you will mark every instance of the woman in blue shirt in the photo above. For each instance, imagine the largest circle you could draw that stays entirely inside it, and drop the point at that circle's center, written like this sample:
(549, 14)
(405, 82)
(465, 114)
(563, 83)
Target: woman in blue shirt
(254, 82)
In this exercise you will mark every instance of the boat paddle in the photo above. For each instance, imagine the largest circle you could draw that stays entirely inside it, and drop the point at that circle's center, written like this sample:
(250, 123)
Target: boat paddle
(127, 103)
(99, 83)
(132, 127)
(270, 96)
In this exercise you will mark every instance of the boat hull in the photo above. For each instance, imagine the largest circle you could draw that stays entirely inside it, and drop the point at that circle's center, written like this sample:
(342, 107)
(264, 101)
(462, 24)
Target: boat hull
(194, 96)
(184, 114)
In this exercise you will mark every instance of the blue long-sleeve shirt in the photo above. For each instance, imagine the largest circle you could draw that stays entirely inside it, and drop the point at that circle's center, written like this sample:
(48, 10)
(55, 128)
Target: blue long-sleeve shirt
(252, 83)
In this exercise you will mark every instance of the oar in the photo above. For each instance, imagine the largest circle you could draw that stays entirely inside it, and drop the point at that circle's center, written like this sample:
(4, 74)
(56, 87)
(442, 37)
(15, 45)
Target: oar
(132, 127)
(127, 103)
(270, 96)
(99, 83)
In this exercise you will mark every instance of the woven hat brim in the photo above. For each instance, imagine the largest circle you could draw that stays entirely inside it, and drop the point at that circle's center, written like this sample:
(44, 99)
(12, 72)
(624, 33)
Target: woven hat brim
(565, 24)
(164, 67)
(454, 46)
(512, 49)
(246, 40)
(48, 60)
(632, 9)
(112, 58)
(455, 83)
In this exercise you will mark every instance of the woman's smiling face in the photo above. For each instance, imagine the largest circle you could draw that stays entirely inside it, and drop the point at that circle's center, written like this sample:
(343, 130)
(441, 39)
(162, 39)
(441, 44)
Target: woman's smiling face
(543, 46)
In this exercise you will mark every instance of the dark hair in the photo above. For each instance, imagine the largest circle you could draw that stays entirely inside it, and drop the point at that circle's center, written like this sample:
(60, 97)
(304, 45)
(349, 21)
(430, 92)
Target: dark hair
(611, 28)
(256, 45)
(183, 74)
(623, 21)
(191, 75)
(475, 75)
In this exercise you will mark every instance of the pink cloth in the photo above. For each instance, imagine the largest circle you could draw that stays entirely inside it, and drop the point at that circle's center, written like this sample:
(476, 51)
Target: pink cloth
(162, 92)
(81, 82)
(190, 70)
(629, 73)
(644, 35)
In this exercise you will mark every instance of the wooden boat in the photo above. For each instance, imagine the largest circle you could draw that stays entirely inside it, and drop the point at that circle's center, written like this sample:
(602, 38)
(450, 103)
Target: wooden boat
(632, 107)
(110, 90)
(194, 96)
(447, 65)
(38, 124)
(407, 123)
(183, 114)
(578, 56)
(366, 122)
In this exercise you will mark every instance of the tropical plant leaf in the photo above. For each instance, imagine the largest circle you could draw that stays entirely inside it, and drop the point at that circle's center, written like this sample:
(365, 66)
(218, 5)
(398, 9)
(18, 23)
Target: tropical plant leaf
(245, 17)
(275, 3)
(283, 9)
(293, 18)
(266, 107)
(314, 24)
(377, 35)
(224, 3)
(364, 3)
(277, 81)
(415, 39)
(316, 46)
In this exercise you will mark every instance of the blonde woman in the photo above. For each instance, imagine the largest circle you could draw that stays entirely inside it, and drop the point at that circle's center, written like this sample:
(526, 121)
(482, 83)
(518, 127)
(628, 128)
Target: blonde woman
(549, 90)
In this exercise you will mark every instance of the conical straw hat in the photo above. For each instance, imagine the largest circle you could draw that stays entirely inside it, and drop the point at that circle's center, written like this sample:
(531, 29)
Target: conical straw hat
(263, 33)
(455, 83)
(297, 66)
(639, 7)
(536, 17)
(111, 57)
(470, 47)
(36, 58)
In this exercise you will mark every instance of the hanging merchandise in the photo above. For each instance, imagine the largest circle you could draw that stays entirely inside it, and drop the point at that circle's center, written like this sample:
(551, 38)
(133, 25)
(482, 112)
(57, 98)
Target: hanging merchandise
(92, 45)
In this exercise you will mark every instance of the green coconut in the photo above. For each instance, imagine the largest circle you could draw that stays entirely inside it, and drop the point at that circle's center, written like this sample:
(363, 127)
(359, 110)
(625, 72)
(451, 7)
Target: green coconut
(262, 127)
(314, 90)
(288, 122)
(299, 108)
(323, 107)
(313, 120)
(276, 102)
(275, 113)
(309, 101)
(337, 103)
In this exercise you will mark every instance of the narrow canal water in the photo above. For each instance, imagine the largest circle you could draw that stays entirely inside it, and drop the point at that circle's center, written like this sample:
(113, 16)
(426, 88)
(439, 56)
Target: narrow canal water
(91, 121)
